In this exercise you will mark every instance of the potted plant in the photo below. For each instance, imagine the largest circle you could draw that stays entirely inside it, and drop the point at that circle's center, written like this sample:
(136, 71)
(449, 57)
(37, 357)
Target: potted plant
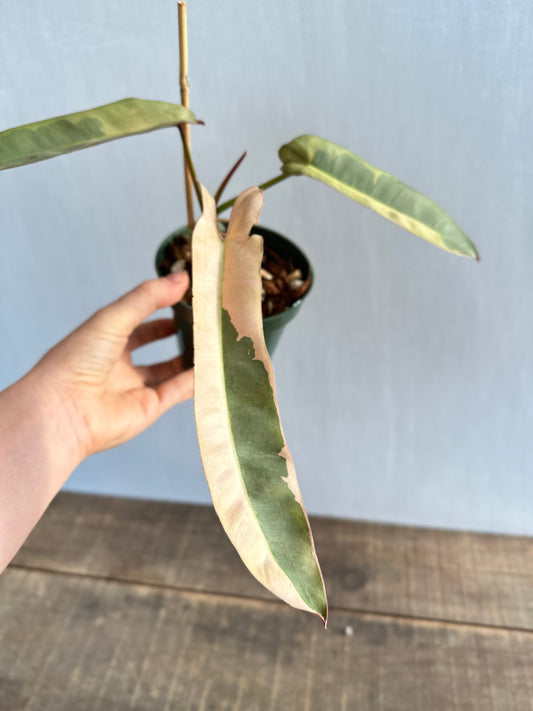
(286, 275)
(246, 459)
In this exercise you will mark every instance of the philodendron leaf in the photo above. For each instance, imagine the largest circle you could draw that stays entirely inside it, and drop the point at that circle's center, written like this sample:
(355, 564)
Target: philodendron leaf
(246, 460)
(354, 177)
(63, 134)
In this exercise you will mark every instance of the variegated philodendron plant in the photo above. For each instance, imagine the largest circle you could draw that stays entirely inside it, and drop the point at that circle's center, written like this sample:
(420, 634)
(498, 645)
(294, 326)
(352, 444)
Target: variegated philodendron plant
(246, 459)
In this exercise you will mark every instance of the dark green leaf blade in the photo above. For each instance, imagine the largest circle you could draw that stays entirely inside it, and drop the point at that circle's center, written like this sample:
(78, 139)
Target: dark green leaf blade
(340, 169)
(63, 134)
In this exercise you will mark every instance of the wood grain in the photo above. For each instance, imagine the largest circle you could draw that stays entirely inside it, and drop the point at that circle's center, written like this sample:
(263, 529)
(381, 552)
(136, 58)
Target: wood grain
(423, 573)
(72, 643)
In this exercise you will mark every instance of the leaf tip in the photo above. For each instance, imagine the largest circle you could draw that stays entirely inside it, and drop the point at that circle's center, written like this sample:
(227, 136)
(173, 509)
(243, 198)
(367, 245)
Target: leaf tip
(472, 252)
(321, 607)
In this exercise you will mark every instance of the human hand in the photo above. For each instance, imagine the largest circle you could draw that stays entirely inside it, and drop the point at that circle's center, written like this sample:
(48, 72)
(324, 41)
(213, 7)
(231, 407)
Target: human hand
(91, 376)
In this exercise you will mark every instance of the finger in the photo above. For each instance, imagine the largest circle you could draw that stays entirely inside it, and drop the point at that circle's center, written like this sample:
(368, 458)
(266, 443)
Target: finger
(151, 331)
(154, 375)
(124, 315)
(175, 390)
(142, 406)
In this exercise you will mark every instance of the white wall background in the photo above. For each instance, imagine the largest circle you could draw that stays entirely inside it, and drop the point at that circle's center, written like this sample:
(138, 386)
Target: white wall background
(406, 385)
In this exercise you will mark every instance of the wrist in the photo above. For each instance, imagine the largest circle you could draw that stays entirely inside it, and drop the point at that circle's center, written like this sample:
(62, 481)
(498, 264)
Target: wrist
(53, 412)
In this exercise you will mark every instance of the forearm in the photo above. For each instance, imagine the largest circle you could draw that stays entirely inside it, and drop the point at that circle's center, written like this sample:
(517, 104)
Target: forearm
(38, 452)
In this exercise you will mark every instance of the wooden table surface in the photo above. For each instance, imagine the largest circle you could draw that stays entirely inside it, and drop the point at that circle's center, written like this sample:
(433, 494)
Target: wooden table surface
(119, 604)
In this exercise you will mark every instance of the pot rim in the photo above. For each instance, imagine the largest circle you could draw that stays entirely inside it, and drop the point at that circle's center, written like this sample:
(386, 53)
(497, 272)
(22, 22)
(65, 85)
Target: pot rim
(257, 229)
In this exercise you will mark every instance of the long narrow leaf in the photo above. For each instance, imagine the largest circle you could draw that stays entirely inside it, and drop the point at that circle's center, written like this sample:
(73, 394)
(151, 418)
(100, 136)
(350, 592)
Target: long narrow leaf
(63, 134)
(246, 460)
(339, 168)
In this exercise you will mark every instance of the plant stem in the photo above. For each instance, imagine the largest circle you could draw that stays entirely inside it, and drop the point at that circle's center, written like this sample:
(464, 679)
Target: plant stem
(263, 186)
(190, 168)
(228, 177)
(184, 92)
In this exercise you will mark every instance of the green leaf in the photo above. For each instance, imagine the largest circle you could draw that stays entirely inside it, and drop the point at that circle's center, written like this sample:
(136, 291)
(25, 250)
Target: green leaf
(246, 460)
(339, 168)
(63, 134)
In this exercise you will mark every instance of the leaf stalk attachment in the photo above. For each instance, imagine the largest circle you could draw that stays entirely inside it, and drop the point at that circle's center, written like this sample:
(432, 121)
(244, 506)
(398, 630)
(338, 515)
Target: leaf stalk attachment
(263, 186)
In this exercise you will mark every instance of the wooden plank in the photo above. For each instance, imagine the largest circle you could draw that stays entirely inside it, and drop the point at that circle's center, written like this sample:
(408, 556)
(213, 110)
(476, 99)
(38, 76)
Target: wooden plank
(463, 577)
(69, 642)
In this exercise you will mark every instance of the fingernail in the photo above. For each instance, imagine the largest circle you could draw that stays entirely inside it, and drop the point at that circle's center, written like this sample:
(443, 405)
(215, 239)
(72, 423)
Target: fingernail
(177, 277)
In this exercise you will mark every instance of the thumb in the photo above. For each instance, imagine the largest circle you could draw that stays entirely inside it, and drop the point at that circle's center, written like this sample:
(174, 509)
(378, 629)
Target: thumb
(125, 314)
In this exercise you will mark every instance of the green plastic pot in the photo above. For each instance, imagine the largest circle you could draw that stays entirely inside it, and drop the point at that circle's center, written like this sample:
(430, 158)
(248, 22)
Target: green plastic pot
(272, 325)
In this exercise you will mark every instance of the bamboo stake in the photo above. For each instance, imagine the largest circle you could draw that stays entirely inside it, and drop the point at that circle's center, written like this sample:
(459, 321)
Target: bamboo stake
(184, 92)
